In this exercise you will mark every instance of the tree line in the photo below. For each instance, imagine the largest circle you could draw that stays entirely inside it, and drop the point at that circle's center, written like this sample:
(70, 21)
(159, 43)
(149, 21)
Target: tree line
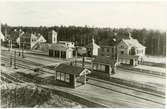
(153, 40)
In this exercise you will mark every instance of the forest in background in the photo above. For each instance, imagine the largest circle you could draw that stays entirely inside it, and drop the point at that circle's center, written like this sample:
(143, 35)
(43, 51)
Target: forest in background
(153, 40)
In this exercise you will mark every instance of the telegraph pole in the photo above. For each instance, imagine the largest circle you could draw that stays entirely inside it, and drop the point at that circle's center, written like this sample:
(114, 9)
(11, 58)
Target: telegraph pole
(15, 59)
(22, 50)
(10, 52)
(10, 60)
(19, 43)
(76, 56)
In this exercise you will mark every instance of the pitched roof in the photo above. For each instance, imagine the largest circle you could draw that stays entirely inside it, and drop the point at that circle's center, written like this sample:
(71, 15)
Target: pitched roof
(65, 68)
(46, 75)
(2, 36)
(133, 43)
(92, 45)
(109, 42)
(104, 60)
(57, 46)
(128, 56)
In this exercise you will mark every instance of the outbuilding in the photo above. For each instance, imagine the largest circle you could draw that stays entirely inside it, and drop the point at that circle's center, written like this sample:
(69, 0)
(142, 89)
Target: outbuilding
(92, 48)
(70, 75)
(106, 65)
(60, 51)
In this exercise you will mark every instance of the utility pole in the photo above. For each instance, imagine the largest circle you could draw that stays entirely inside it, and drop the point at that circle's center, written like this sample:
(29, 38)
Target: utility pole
(19, 43)
(22, 50)
(76, 55)
(15, 59)
(10, 59)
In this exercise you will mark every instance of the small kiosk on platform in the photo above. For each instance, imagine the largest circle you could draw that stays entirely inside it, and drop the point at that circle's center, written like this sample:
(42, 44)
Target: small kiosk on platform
(71, 75)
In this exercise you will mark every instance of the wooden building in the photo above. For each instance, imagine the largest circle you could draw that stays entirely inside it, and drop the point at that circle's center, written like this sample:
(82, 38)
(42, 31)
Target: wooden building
(52, 37)
(130, 52)
(106, 65)
(108, 48)
(67, 43)
(29, 40)
(71, 75)
(2, 37)
(60, 51)
(92, 48)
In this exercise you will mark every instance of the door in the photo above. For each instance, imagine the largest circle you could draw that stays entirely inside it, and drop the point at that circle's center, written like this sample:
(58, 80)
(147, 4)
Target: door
(50, 52)
(131, 62)
(56, 53)
(106, 68)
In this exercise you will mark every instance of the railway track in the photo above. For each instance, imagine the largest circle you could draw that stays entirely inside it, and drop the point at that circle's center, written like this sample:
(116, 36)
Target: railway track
(89, 67)
(149, 74)
(126, 87)
(120, 69)
(25, 66)
(122, 92)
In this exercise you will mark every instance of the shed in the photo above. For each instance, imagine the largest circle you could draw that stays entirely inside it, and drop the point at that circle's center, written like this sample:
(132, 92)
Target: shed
(92, 48)
(60, 51)
(72, 75)
(104, 64)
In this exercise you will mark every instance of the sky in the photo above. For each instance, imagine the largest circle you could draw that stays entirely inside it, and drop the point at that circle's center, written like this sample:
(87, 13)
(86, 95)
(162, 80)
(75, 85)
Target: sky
(149, 15)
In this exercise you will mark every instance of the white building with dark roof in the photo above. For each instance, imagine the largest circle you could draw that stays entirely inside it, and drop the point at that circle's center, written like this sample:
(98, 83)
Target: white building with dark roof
(92, 48)
(29, 40)
(2, 36)
(67, 43)
(130, 51)
(52, 37)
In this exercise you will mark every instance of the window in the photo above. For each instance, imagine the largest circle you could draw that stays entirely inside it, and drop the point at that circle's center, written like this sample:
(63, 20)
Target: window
(58, 76)
(122, 52)
(67, 78)
(102, 49)
(94, 66)
(62, 76)
(102, 67)
(112, 49)
(108, 49)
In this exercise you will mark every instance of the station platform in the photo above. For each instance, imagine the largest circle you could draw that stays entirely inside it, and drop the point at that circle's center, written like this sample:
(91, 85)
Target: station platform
(151, 68)
(148, 80)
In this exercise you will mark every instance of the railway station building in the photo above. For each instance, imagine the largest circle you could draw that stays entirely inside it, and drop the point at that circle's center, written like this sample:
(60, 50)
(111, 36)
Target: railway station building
(130, 51)
(70, 75)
